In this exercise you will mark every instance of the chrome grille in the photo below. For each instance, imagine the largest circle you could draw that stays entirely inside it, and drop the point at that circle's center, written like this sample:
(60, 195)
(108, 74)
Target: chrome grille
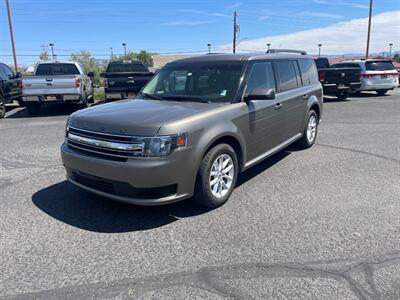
(104, 145)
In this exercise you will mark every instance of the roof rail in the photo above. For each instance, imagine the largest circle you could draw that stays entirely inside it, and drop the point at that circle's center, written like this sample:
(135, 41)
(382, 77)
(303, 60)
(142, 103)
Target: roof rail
(302, 52)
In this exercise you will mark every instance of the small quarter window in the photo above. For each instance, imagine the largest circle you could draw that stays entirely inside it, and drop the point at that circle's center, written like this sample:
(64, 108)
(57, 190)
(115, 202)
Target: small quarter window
(309, 73)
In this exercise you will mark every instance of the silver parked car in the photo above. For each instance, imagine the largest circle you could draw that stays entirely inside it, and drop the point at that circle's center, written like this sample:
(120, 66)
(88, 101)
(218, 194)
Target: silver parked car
(57, 82)
(376, 74)
(194, 127)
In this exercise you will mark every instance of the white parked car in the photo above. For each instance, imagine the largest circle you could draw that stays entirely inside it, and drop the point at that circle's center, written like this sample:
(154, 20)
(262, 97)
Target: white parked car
(376, 74)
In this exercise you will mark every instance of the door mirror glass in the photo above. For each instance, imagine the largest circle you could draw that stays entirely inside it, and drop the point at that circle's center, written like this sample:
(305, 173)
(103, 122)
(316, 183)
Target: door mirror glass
(260, 94)
(102, 74)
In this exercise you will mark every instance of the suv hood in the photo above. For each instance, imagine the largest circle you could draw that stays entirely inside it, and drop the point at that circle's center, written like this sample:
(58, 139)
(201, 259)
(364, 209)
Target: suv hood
(135, 117)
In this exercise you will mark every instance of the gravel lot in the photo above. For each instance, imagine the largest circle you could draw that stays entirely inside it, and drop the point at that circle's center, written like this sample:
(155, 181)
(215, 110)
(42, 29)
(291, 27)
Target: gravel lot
(322, 223)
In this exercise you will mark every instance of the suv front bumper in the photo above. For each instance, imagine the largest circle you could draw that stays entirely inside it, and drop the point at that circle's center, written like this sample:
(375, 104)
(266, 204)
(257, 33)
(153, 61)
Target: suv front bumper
(140, 181)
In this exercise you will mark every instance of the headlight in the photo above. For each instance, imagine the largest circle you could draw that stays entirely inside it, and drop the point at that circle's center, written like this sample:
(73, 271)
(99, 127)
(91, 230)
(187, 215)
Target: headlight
(162, 146)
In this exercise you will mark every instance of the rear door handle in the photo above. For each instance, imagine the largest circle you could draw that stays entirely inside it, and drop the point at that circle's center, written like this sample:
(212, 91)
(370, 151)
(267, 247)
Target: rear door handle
(278, 105)
(304, 96)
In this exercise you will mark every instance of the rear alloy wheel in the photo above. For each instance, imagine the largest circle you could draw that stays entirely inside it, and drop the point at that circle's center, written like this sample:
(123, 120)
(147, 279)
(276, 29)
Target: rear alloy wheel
(310, 131)
(2, 108)
(381, 92)
(217, 176)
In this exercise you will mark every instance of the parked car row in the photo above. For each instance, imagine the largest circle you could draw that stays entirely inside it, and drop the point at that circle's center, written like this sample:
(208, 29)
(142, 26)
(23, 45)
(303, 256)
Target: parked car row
(67, 82)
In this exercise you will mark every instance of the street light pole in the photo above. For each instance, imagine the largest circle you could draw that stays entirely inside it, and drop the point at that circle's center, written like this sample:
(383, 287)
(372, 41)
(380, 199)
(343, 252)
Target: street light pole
(112, 53)
(390, 50)
(124, 45)
(268, 46)
(12, 36)
(52, 50)
(209, 48)
(319, 50)
(369, 29)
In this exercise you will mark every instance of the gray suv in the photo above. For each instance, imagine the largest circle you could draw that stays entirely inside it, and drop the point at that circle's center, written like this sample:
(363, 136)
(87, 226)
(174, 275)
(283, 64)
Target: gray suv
(194, 127)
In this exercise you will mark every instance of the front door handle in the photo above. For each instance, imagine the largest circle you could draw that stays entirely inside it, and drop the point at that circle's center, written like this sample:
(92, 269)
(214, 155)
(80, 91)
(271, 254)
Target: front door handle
(304, 97)
(278, 105)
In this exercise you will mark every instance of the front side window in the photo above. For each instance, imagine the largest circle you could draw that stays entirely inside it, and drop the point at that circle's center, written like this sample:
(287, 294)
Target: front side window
(286, 75)
(3, 75)
(208, 82)
(261, 77)
(7, 71)
(309, 73)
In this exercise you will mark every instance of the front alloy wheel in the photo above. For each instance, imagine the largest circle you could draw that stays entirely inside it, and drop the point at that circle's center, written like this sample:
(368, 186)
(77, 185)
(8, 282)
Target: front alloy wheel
(312, 128)
(221, 175)
(217, 176)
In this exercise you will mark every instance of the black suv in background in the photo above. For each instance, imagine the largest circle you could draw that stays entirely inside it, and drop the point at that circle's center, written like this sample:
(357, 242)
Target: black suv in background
(124, 79)
(10, 87)
(338, 81)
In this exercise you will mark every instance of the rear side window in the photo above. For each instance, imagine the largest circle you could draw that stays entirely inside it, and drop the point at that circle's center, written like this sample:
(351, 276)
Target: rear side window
(309, 73)
(261, 77)
(379, 66)
(126, 68)
(56, 69)
(287, 78)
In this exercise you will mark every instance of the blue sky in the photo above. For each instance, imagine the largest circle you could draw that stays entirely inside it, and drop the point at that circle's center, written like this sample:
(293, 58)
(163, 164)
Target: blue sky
(165, 26)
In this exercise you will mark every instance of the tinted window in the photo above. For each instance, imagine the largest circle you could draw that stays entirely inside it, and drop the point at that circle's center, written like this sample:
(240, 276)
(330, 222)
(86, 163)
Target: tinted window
(322, 63)
(261, 77)
(7, 71)
(212, 82)
(126, 67)
(346, 65)
(309, 73)
(379, 66)
(286, 75)
(56, 69)
(3, 75)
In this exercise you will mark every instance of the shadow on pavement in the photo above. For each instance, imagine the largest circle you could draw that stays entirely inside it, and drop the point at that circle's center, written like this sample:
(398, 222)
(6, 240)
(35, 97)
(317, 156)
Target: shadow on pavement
(71, 205)
(53, 110)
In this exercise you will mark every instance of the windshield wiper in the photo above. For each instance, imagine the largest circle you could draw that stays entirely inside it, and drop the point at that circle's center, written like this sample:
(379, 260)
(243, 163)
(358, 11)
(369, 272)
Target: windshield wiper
(186, 98)
(151, 96)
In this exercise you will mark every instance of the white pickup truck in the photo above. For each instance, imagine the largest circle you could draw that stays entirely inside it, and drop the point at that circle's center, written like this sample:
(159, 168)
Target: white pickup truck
(57, 82)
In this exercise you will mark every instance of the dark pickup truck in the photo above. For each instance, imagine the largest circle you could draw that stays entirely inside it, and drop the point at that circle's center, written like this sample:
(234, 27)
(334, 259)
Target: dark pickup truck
(10, 88)
(124, 79)
(338, 81)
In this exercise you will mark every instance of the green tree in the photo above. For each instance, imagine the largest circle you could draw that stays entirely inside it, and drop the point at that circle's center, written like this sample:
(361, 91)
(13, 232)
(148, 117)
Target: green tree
(143, 56)
(44, 55)
(396, 57)
(89, 64)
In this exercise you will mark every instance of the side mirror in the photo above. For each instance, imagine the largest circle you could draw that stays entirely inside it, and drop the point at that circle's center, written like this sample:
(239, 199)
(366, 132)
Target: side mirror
(102, 74)
(90, 74)
(260, 94)
(18, 75)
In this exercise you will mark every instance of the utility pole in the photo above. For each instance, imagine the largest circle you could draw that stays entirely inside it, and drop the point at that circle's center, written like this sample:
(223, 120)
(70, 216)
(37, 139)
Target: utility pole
(369, 29)
(12, 36)
(319, 50)
(390, 50)
(235, 31)
(52, 50)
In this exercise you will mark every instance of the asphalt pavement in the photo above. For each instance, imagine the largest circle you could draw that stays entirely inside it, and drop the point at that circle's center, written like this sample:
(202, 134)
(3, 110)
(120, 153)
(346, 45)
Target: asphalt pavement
(323, 223)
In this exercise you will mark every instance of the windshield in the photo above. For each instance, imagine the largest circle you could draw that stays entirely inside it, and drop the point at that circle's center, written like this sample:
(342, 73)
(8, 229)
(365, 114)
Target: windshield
(211, 82)
(126, 68)
(379, 66)
(56, 69)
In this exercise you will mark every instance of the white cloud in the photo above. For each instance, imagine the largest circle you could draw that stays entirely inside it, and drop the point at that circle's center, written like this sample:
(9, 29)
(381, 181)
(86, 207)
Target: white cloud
(320, 15)
(235, 5)
(206, 13)
(343, 3)
(188, 23)
(343, 37)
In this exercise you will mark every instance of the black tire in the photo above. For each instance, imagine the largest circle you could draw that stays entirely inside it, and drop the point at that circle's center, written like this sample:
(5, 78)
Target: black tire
(304, 142)
(21, 102)
(33, 108)
(342, 95)
(381, 92)
(2, 108)
(84, 103)
(203, 193)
